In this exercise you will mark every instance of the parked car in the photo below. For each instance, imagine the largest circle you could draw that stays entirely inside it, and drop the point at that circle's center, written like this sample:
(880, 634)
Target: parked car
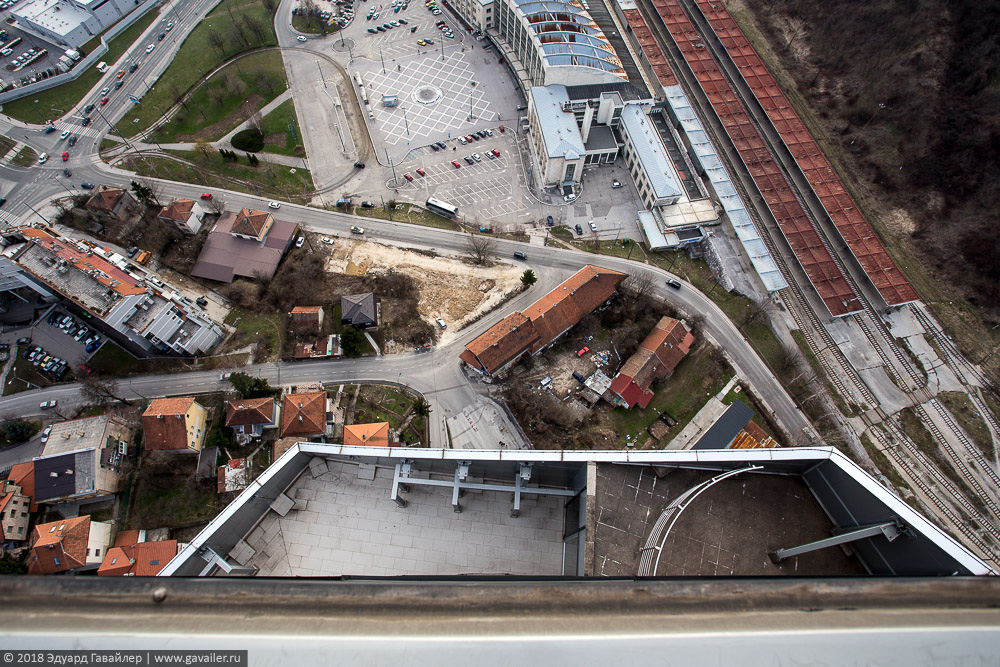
(434, 147)
(570, 197)
(367, 204)
(23, 341)
(45, 405)
(456, 164)
(582, 351)
(273, 204)
(326, 240)
(462, 141)
(359, 164)
(299, 242)
(408, 176)
(549, 221)
(469, 160)
(45, 433)
(673, 283)
(593, 226)
(87, 186)
(440, 323)
(616, 183)
(206, 195)
(421, 172)
(301, 38)
(43, 158)
(579, 230)
(477, 157)
(495, 152)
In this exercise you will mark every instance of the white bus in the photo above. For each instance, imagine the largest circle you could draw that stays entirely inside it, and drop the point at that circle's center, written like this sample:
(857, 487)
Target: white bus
(441, 207)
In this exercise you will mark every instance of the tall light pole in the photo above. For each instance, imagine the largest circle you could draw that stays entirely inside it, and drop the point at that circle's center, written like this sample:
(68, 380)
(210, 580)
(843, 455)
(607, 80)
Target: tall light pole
(389, 160)
(379, 55)
(405, 121)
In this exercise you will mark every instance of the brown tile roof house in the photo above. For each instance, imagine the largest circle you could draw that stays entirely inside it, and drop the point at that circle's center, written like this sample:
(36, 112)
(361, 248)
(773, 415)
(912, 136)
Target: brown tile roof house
(131, 558)
(59, 546)
(367, 435)
(319, 348)
(658, 355)
(254, 224)
(501, 345)
(307, 318)
(23, 474)
(543, 321)
(568, 303)
(250, 415)
(184, 214)
(303, 415)
(174, 424)
(228, 254)
(110, 202)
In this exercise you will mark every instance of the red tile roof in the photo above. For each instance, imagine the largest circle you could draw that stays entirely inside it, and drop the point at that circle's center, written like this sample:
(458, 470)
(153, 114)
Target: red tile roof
(59, 546)
(163, 423)
(658, 355)
(250, 222)
(106, 272)
(178, 210)
(568, 303)
(303, 414)
(367, 435)
(23, 474)
(249, 412)
(127, 538)
(144, 559)
(105, 199)
(502, 342)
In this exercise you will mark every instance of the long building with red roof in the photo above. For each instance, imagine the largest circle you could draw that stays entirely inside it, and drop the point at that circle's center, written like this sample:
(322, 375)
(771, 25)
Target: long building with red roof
(542, 322)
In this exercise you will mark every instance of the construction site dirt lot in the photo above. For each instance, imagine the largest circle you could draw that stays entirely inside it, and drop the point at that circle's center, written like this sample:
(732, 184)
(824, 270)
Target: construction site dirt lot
(457, 292)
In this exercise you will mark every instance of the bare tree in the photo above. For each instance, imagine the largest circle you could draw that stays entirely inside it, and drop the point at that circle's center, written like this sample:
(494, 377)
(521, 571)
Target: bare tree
(217, 205)
(217, 96)
(252, 114)
(638, 284)
(234, 84)
(217, 41)
(202, 148)
(270, 5)
(481, 249)
(100, 389)
(256, 27)
(239, 32)
(175, 93)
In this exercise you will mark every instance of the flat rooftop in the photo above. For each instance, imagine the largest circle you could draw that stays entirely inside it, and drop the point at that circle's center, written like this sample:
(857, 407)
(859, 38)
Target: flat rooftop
(728, 530)
(351, 527)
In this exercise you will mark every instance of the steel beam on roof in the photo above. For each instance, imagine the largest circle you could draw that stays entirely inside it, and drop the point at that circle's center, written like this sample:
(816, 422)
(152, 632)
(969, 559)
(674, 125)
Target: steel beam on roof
(891, 530)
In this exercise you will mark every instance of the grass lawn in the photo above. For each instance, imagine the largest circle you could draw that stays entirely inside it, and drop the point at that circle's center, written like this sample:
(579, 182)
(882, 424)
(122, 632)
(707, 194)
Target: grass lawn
(214, 108)
(170, 496)
(114, 361)
(212, 170)
(968, 416)
(6, 145)
(313, 25)
(385, 403)
(26, 158)
(268, 329)
(277, 122)
(197, 57)
(411, 213)
(700, 375)
(23, 375)
(58, 101)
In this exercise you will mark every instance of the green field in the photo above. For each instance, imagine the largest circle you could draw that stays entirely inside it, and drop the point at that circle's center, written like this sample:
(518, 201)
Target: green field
(212, 170)
(216, 106)
(58, 101)
(278, 122)
(198, 56)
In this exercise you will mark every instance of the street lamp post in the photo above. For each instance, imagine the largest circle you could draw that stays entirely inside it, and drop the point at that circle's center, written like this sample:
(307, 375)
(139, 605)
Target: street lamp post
(381, 57)
(36, 212)
(405, 121)
(39, 113)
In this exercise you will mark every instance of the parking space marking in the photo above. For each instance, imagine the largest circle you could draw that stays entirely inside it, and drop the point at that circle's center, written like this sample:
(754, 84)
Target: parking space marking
(459, 96)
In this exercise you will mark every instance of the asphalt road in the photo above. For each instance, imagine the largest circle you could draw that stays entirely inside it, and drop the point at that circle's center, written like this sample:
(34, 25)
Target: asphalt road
(436, 374)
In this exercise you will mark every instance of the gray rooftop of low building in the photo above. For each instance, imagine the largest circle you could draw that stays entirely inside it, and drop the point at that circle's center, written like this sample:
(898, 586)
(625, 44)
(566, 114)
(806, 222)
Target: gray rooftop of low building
(560, 132)
(601, 137)
(650, 152)
(726, 427)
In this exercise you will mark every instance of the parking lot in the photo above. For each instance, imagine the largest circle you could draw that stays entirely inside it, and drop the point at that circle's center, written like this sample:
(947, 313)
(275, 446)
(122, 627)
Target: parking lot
(59, 344)
(10, 51)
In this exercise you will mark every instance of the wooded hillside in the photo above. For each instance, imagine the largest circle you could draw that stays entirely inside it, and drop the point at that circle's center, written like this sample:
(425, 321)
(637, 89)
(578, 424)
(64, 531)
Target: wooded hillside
(911, 90)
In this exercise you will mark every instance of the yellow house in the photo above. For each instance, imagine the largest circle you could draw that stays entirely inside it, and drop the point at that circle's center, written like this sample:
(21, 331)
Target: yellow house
(176, 424)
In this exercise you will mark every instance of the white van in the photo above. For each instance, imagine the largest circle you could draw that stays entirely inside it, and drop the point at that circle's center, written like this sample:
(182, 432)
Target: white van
(102, 67)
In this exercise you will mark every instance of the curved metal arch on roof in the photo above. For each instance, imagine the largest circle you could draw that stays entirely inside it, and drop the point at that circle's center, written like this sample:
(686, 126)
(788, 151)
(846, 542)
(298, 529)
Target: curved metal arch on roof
(568, 35)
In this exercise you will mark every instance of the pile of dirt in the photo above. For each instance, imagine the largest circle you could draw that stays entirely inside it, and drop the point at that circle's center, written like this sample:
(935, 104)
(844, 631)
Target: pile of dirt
(457, 292)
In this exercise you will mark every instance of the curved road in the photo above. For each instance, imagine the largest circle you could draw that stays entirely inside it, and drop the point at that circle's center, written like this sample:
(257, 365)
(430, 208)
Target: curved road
(436, 374)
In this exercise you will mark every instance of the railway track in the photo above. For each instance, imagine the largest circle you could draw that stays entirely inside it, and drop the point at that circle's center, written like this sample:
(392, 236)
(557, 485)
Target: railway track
(812, 328)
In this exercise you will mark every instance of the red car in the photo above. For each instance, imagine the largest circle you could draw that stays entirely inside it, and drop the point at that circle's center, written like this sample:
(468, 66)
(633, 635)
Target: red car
(104, 101)
(421, 172)
(455, 162)
(495, 152)
(501, 128)
(407, 177)
(65, 156)
(582, 351)
(206, 195)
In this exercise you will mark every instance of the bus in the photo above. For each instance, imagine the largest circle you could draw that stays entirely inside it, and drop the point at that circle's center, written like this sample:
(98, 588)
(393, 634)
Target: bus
(441, 207)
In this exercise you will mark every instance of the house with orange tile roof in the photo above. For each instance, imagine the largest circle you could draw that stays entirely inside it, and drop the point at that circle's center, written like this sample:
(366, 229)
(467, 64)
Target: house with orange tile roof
(23, 474)
(501, 345)
(543, 322)
(304, 415)
(184, 214)
(111, 204)
(368, 435)
(252, 225)
(658, 355)
(306, 318)
(68, 544)
(252, 415)
(132, 556)
(15, 512)
(250, 244)
(174, 424)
